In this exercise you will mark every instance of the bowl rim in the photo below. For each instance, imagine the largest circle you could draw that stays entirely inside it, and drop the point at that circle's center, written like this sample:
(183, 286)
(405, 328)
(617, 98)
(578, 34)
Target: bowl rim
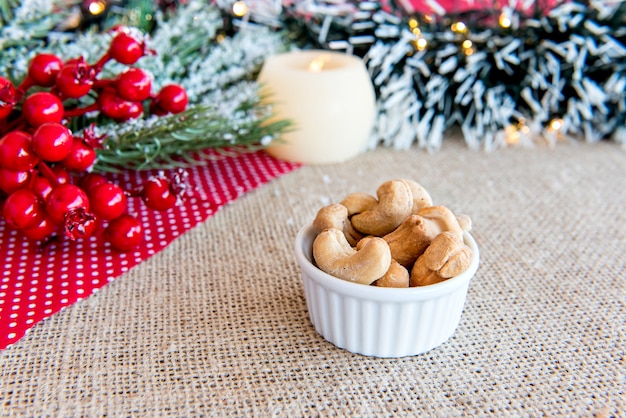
(304, 257)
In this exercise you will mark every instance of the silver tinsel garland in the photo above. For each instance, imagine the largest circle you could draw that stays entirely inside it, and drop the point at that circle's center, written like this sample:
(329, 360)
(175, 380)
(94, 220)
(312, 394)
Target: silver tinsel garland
(501, 76)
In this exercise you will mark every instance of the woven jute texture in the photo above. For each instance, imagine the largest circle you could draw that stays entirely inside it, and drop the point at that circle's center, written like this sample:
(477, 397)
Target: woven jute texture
(217, 324)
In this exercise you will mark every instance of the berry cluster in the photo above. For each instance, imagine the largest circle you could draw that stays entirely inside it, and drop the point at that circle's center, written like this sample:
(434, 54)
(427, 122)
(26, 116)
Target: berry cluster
(45, 179)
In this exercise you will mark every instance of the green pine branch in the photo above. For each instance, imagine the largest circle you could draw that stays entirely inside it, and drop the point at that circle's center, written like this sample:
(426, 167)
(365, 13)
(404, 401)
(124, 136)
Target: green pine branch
(189, 139)
(7, 11)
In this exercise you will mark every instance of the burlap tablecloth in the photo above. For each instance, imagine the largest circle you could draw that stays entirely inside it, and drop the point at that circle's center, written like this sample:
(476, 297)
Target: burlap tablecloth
(217, 323)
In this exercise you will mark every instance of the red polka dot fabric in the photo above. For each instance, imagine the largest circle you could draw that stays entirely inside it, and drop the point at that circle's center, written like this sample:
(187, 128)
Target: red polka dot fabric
(37, 281)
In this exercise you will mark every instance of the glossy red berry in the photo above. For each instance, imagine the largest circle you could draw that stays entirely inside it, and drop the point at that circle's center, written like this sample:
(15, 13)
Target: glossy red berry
(23, 209)
(42, 107)
(52, 142)
(63, 199)
(11, 181)
(126, 49)
(80, 158)
(116, 108)
(134, 84)
(171, 99)
(7, 97)
(124, 233)
(75, 79)
(16, 152)
(108, 201)
(43, 69)
(41, 231)
(91, 180)
(61, 175)
(41, 186)
(158, 195)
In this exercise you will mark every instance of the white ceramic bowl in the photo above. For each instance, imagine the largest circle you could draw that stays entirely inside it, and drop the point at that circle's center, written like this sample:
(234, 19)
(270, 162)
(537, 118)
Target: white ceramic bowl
(377, 321)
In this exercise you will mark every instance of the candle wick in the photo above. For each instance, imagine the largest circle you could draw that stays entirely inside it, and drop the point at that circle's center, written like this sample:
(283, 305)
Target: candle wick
(318, 63)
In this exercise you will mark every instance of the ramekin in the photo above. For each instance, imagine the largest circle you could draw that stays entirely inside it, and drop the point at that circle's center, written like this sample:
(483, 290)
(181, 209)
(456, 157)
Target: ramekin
(377, 321)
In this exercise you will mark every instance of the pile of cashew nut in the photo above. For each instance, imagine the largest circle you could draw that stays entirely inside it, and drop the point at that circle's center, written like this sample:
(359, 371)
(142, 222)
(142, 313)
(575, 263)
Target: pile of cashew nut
(397, 239)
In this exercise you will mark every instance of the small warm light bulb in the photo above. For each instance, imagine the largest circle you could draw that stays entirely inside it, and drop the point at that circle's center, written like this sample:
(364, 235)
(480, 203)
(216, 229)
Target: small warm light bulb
(413, 23)
(421, 44)
(96, 7)
(468, 47)
(505, 21)
(416, 31)
(459, 27)
(428, 18)
(240, 8)
(556, 124)
(512, 135)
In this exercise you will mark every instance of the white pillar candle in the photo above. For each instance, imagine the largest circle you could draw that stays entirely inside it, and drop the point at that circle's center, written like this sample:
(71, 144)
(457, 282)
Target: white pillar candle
(330, 100)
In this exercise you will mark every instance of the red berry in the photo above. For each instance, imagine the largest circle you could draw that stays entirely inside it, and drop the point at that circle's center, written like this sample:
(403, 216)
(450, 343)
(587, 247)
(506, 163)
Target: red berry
(43, 69)
(16, 152)
(116, 108)
(41, 186)
(75, 79)
(91, 180)
(124, 233)
(125, 49)
(171, 99)
(41, 231)
(61, 175)
(158, 195)
(52, 142)
(63, 199)
(80, 158)
(134, 84)
(42, 107)
(11, 181)
(23, 209)
(108, 201)
(7, 97)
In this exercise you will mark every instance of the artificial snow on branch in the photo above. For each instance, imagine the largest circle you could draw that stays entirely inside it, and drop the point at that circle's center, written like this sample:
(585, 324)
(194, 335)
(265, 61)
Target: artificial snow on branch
(191, 48)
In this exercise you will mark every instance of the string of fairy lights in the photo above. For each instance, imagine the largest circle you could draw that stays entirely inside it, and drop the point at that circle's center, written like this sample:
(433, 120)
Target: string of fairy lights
(504, 76)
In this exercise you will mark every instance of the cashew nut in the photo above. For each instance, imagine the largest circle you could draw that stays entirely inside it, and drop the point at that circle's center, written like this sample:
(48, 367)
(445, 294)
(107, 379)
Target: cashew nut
(395, 203)
(359, 202)
(421, 197)
(336, 216)
(396, 276)
(446, 257)
(409, 240)
(440, 219)
(334, 255)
